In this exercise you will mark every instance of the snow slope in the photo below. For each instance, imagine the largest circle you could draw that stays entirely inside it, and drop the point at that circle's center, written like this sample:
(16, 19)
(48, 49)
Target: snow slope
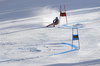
(26, 41)
(16, 9)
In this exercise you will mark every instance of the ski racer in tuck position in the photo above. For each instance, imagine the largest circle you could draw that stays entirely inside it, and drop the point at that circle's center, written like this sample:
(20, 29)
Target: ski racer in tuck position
(55, 22)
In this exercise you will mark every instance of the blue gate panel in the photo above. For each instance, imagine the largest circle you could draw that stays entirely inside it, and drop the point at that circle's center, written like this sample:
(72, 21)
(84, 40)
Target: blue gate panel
(75, 37)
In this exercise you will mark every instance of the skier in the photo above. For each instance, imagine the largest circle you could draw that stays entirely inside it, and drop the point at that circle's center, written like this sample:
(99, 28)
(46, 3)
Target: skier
(55, 22)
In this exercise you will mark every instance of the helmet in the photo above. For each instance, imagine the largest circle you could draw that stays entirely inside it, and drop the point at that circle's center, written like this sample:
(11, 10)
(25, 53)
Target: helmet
(56, 18)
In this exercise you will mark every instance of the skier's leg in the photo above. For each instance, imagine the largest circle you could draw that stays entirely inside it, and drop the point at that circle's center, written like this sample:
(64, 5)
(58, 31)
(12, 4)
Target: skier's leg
(49, 25)
(53, 25)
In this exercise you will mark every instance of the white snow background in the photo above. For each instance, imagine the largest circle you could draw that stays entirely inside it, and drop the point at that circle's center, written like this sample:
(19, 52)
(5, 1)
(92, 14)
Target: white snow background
(25, 40)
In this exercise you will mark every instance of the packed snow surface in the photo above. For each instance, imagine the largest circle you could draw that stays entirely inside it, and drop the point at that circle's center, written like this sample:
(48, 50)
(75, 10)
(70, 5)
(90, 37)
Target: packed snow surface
(28, 42)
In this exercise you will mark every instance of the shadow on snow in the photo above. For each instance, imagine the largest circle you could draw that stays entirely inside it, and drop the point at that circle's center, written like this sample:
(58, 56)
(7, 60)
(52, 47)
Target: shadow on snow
(85, 63)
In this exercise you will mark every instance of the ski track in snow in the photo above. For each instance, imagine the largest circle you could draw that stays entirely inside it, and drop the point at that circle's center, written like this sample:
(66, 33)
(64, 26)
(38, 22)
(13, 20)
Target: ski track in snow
(70, 25)
(10, 60)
